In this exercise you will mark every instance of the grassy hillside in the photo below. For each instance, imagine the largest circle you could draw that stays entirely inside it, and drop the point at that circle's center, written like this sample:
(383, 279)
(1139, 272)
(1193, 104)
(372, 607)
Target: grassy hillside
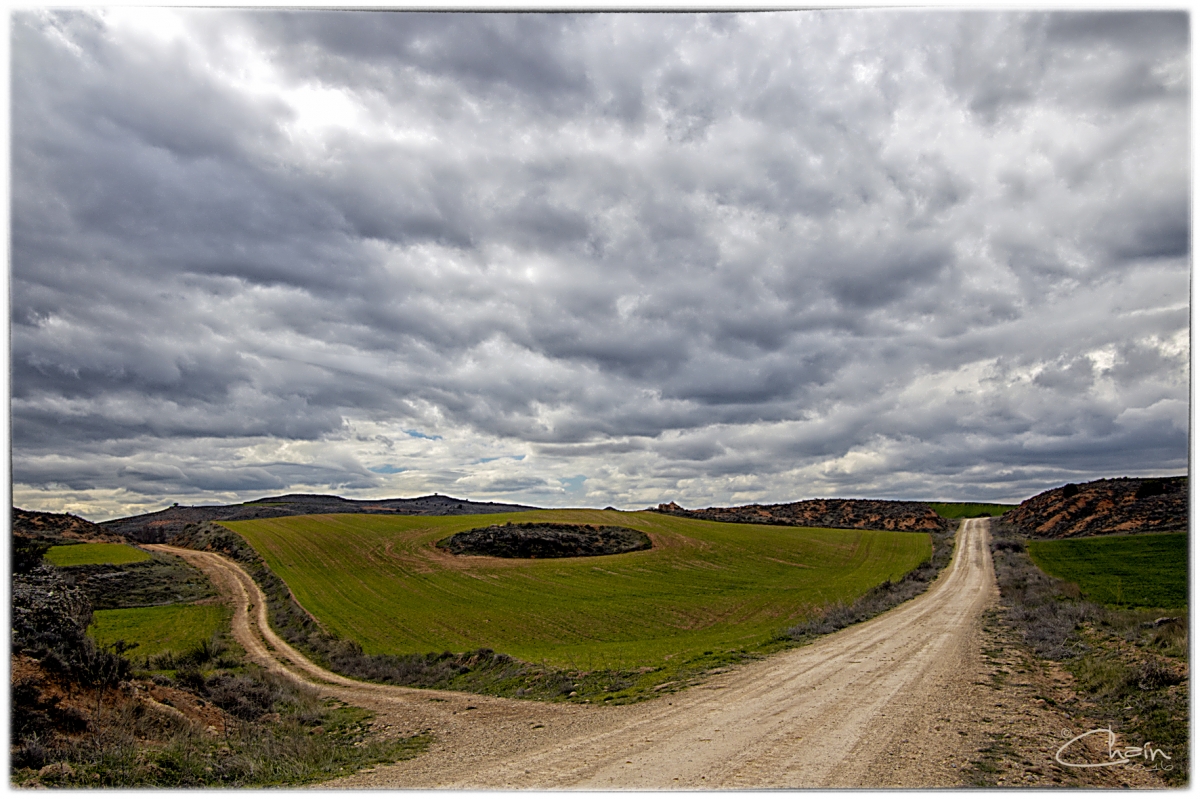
(1133, 571)
(168, 628)
(705, 586)
(968, 510)
(91, 554)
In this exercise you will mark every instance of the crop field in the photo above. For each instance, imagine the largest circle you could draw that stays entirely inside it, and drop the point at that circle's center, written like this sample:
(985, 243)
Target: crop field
(1131, 571)
(91, 554)
(705, 586)
(968, 510)
(166, 628)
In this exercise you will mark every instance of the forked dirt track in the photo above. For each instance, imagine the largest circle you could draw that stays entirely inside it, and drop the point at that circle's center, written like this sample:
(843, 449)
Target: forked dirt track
(893, 702)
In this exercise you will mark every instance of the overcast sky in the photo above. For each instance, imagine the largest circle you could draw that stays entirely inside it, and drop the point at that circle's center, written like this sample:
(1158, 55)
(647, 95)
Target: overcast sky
(590, 260)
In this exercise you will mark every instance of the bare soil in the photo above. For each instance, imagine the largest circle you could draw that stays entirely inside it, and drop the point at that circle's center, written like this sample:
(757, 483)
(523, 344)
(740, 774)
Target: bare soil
(908, 699)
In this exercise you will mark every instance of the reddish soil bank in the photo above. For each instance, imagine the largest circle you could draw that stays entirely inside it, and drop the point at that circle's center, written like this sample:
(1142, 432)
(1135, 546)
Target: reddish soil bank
(1102, 507)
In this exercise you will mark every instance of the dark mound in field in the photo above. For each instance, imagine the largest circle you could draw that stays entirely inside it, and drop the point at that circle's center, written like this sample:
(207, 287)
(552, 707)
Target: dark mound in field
(855, 514)
(545, 540)
(1104, 507)
(157, 527)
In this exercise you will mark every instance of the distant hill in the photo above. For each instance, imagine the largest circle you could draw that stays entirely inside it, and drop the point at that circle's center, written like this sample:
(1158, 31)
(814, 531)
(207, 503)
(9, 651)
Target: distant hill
(856, 514)
(35, 524)
(159, 526)
(1118, 505)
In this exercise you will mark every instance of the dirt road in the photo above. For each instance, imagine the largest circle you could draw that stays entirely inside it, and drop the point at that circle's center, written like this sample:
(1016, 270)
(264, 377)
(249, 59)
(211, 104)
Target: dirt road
(894, 702)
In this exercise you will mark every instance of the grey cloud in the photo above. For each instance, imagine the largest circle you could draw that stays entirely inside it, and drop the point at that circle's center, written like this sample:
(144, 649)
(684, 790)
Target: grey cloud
(718, 249)
(1074, 376)
(526, 53)
(1162, 232)
(997, 63)
(871, 281)
(1139, 31)
(1000, 63)
(190, 471)
(609, 447)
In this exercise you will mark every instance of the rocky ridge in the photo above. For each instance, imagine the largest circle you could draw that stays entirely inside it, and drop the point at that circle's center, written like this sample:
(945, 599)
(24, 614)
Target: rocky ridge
(1104, 507)
(857, 514)
(35, 524)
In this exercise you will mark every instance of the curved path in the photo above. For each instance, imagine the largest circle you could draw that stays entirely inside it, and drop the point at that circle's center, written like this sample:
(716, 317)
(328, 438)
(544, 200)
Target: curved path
(893, 702)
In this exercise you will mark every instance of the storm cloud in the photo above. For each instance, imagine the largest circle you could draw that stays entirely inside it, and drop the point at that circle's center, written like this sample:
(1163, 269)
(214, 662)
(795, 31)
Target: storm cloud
(595, 259)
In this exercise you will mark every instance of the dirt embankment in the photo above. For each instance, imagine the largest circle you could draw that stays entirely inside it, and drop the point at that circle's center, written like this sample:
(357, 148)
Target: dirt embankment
(1103, 507)
(855, 514)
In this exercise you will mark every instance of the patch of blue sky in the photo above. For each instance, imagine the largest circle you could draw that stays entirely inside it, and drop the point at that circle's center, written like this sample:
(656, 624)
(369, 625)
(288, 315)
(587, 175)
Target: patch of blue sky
(419, 434)
(501, 457)
(573, 484)
(386, 468)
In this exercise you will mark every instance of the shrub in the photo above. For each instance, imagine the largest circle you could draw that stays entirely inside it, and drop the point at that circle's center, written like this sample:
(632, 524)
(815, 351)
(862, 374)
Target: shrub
(1154, 674)
(27, 553)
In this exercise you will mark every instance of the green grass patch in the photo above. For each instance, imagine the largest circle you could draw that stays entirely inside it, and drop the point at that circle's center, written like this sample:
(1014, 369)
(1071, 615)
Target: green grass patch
(168, 628)
(1129, 571)
(706, 588)
(90, 554)
(968, 510)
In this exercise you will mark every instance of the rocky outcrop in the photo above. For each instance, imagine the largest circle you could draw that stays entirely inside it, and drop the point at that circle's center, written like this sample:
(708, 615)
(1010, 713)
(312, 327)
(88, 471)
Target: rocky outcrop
(48, 614)
(545, 540)
(1118, 505)
(858, 514)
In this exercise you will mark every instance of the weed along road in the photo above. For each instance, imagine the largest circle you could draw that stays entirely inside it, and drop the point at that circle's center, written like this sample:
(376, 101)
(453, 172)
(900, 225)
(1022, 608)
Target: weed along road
(894, 702)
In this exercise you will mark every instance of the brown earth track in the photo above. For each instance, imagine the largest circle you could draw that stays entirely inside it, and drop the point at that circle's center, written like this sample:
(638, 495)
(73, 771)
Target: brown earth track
(899, 701)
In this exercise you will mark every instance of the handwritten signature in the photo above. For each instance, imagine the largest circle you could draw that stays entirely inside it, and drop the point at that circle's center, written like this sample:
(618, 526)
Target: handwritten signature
(1117, 755)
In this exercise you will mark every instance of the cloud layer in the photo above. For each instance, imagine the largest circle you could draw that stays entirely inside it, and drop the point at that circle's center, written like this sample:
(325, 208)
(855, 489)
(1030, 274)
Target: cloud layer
(595, 259)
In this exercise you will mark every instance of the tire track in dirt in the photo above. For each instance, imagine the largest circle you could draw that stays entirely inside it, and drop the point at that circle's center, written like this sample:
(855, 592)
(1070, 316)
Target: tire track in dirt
(894, 702)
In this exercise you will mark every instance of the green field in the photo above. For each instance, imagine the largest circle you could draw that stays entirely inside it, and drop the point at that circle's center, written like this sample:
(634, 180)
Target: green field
(167, 628)
(968, 510)
(705, 586)
(1132, 571)
(89, 554)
